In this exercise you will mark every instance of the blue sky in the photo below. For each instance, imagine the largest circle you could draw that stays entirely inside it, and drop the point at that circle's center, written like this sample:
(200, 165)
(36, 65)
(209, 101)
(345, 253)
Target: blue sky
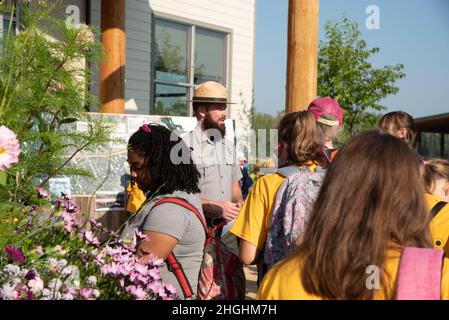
(412, 32)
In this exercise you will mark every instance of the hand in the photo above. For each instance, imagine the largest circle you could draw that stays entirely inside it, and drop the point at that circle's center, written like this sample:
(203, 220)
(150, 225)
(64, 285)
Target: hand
(229, 210)
(240, 204)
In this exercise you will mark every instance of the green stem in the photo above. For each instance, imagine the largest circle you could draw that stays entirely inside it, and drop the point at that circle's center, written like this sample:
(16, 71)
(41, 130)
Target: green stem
(33, 112)
(3, 178)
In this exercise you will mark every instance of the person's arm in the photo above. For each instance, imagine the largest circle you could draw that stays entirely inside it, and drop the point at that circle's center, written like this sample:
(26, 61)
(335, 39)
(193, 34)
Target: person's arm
(248, 253)
(250, 225)
(163, 226)
(220, 209)
(158, 244)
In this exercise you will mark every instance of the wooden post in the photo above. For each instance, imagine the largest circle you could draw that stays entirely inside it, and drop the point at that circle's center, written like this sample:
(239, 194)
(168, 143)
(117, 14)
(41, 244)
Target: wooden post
(112, 67)
(302, 54)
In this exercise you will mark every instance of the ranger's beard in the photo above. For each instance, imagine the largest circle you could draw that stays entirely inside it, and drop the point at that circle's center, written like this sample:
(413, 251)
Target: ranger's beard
(211, 124)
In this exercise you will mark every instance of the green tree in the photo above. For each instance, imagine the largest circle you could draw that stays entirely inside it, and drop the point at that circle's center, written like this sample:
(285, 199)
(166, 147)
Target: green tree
(178, 108)
(345, 74)
(43, 93)
(169, 57)
(264, 121)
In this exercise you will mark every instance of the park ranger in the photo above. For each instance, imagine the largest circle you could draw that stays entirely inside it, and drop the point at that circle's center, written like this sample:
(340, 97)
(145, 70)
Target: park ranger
(215, 158)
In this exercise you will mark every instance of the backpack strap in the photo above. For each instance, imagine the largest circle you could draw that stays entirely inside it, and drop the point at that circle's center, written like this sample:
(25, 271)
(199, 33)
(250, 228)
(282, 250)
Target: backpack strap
(419, 276)
(333, 153)
(437, 208)
(180, 275)
(288, 171)
(186, 205)
(171, 259)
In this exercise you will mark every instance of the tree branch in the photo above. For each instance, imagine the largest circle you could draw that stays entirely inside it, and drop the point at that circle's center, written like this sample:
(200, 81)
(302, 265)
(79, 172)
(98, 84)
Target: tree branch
(63, 165)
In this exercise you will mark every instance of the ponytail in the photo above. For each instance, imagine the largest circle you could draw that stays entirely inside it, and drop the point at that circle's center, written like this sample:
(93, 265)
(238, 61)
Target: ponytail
(304, 140)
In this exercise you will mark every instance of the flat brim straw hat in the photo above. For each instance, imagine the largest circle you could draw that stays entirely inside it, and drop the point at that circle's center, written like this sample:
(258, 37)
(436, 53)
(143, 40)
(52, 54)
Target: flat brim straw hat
(211, 92)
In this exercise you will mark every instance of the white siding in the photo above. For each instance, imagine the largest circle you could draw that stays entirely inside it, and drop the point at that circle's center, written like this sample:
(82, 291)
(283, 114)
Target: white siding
(239, 17)
(236, 16)
(138, 54)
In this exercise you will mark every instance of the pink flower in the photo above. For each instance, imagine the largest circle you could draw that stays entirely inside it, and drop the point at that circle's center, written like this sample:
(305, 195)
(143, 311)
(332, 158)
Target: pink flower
(8, 292)
(137, 292)
(15, 254)
(42, 193)
(171, 288)
(36, 285)
(72, 291)
(90, 238)
(59, 250)
(58, 86)
(155, 273)
(140, 236)
(95, 225)
(86, 293)
(85, 37)
(9, 148)
(111, 269)
(40, 250)
(96, 293)
(140, 268)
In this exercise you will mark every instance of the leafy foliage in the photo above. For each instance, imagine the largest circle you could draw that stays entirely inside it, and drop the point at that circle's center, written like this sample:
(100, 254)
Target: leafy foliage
(265, 122)
(345, 74)
(44, 76)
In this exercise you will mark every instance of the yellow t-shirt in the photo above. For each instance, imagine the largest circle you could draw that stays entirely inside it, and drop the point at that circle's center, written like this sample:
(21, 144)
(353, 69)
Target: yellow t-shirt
(253, 221)
(283, 281)
(439, 226)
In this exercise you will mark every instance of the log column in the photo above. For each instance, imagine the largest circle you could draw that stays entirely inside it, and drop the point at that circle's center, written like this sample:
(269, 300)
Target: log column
(112, 67)
(302, 54)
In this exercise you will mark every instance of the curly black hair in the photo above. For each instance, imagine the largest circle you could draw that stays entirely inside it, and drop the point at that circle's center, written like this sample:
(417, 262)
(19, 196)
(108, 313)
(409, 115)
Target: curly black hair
(156, 144)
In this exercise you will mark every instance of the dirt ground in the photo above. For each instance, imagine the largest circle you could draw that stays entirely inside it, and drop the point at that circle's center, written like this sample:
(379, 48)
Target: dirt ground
(251, 282)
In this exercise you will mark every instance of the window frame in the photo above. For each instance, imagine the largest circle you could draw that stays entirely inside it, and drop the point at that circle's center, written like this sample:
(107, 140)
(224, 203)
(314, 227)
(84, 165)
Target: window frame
(190, 85)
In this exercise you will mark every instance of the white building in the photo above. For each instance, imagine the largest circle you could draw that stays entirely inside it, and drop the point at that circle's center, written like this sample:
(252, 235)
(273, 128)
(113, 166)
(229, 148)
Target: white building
(171, 45)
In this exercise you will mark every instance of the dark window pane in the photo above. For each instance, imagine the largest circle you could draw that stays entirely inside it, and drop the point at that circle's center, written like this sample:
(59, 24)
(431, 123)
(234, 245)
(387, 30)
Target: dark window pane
(6, 22)
(446, 146)
(171, 51)
(170, 100)
(209, 55)
(431, 144)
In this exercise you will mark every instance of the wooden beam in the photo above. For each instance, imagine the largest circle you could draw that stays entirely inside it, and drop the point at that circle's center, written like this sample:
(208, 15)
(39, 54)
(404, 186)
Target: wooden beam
(302, 54)
(112, 67)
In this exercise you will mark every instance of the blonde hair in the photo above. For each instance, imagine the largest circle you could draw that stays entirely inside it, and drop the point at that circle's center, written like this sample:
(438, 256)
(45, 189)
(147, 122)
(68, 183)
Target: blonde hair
(435, 169)
(396, 120)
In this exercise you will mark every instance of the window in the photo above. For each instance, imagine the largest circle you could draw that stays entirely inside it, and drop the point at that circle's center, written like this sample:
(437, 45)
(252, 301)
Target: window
(5, 24)
(184, 55)
(434, 145)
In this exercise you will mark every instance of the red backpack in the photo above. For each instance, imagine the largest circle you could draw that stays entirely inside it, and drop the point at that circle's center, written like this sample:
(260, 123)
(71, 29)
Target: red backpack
(221, 274)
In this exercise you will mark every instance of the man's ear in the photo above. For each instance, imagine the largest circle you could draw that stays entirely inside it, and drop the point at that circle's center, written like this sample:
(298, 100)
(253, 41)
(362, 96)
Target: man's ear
(200, 112)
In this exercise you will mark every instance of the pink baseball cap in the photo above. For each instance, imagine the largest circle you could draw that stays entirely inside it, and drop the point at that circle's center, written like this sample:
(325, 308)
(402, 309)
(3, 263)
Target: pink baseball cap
(326, 105)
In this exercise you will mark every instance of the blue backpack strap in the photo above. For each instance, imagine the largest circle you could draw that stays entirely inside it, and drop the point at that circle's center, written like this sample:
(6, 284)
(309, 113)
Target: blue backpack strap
(289, 170)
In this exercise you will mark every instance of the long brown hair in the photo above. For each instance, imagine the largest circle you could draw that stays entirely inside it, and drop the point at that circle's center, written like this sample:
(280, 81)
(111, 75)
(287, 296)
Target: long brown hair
(371, 200)
(396, 120)
(304, 140)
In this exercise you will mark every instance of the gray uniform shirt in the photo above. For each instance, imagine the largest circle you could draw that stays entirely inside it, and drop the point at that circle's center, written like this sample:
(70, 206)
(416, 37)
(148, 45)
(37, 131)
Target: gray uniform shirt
(216, 163)
(179, 223)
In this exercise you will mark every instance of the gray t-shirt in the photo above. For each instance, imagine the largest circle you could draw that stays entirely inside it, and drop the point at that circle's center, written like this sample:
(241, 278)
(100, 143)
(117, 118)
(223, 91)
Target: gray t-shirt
(216, 163)
(180, 223)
